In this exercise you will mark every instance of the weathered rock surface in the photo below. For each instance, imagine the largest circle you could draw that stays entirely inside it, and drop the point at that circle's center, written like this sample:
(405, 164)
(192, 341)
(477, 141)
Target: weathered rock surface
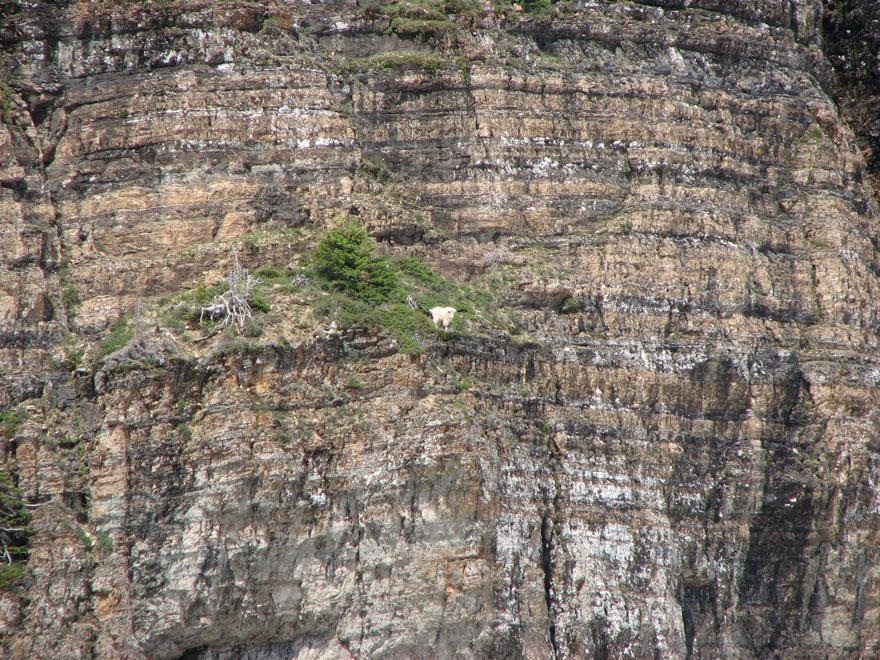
(681, 458)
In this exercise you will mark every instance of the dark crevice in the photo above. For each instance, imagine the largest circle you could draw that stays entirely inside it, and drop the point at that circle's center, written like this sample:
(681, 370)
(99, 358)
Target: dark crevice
(547, 567)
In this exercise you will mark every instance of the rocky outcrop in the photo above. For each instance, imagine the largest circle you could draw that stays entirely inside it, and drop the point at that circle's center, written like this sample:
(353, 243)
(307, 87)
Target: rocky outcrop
(674, 454)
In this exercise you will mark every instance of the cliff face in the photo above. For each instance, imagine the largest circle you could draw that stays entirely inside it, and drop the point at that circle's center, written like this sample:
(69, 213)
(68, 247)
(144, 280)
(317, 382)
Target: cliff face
(674, 454)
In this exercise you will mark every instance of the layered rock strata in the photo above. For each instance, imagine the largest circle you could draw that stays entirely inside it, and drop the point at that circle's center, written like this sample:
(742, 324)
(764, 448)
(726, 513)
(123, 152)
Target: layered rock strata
(683, 462)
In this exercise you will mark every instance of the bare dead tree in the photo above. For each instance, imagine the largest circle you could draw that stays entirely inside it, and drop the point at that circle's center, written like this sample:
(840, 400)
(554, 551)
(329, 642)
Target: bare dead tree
(232, 307)
(13, 519)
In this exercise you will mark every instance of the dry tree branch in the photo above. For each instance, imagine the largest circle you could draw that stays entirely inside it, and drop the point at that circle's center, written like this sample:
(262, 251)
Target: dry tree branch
(28, 505)
(231, 307)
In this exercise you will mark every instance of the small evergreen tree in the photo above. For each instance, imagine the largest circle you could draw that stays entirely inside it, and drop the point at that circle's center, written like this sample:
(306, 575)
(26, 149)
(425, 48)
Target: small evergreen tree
(345, 259)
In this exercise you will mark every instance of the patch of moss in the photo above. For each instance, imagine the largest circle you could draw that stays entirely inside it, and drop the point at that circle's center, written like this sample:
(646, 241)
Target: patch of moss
(412, 27)
(273, 274)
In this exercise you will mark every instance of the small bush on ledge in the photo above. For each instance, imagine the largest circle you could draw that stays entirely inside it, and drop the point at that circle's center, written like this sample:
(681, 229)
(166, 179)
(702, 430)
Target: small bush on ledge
(344, 259)
(120, 334)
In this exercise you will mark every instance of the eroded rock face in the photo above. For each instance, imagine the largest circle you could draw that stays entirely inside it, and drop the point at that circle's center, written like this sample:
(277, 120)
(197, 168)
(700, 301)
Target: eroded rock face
(681, 458)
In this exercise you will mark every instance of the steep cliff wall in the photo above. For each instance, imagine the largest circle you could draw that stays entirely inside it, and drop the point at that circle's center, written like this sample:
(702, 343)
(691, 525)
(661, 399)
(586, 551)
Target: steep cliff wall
(669, 448)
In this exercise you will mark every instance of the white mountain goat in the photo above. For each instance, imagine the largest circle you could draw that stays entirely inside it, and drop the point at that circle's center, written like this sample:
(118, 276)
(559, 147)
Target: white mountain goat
(439, 315)
(442, 316)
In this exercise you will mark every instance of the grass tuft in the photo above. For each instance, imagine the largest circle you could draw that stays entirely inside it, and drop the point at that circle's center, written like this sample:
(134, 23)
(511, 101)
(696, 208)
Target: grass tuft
(120, 334)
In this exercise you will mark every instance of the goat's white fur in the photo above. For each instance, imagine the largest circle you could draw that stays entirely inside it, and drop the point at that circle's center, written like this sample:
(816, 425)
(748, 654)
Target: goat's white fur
(442, 316)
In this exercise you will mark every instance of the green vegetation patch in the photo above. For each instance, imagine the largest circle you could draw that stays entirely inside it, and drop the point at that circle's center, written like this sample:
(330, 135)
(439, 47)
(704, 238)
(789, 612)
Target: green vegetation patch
(364, 289)
(531, 7)
(10, 575)
(10, 420)
(84, 538)
(14, 532)
(70, 296)
(411, 27)
(71, 300)
(273, 275)
(815, 133)
(376, 167)
(120, 334)
(5, 103)
(405, 59)
(179, 310)
(185, 305)
(345, 261)
(104, 543)
(536, 6)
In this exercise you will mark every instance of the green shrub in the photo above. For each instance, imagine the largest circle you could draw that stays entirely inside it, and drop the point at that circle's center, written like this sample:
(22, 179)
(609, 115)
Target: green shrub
(5, 103)
(10, 420)
(183, 431)
(536, 6)
(253, 328)
(71, 300)
(84, 538)
(273, 274)
(10, 575)
(105, 543)
(815, 133)
(401, 59)
(376, 167)
(258, 302)
(119, 336)
(344, 259)
(571, 305)
(420, 271)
